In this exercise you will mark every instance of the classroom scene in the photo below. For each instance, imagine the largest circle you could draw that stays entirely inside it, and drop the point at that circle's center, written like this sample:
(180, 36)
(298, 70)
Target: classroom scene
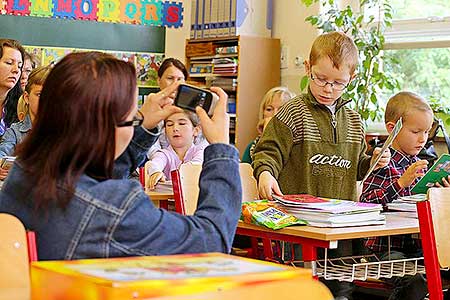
(225, 149)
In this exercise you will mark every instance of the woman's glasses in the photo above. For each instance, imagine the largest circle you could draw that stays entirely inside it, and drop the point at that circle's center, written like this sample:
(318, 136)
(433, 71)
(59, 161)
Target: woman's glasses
(137, 121)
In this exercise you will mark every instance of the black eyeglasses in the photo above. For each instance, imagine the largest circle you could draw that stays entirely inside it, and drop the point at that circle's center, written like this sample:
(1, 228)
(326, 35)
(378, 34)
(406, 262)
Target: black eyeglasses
(338, 86)
(137, 121)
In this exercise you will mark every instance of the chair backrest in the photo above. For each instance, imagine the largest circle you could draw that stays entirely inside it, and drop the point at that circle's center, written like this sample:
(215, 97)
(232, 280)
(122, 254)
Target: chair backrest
(439, 199)
(186, 186)
(14, 259)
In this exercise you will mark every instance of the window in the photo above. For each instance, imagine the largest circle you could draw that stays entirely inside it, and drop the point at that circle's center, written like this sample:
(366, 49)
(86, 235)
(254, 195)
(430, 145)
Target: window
(418, 47)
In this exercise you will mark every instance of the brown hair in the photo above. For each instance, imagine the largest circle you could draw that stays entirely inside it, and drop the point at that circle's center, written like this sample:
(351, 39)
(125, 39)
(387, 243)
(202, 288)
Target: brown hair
(338, 46)
(85, 95)
(172, 62)
(402, 104)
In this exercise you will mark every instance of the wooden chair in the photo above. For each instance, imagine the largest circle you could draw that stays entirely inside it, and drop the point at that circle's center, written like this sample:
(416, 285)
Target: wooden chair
(434, 222)
(186, 187)
(185, 183)
(17, 250)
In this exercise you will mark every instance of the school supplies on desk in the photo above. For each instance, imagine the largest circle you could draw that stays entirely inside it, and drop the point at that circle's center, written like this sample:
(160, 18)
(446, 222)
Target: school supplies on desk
(324, 212)
(439, 170)
(387, 144)
(266, 213)
(168, 277)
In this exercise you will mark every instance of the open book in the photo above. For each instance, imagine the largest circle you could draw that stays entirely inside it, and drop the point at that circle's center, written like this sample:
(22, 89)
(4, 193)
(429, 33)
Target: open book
(387, 144)
(440, 169)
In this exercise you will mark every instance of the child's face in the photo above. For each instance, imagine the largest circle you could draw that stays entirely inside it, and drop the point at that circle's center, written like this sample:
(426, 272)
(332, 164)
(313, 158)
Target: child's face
(324, 70)
(32, 98)
(180, 131)
(273, 107)
(414, 133)
(26, 70)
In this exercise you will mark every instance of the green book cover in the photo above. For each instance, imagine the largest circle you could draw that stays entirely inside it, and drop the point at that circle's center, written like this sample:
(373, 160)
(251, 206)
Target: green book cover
(440, 169)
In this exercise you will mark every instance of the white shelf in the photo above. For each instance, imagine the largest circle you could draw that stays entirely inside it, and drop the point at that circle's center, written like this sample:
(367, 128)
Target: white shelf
(367, 267)
(214, 56)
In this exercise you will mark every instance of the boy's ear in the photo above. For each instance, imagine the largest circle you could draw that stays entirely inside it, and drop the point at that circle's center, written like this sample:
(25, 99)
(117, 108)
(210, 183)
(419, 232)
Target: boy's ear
(390, 126)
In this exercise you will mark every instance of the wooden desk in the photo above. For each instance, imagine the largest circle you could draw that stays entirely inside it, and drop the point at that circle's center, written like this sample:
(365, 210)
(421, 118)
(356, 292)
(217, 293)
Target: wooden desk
(314, 237)
(160, 198)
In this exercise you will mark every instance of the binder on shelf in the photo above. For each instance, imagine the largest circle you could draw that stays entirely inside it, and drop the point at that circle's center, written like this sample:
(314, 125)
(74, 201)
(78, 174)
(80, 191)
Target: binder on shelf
(194, 19)
(214, 18)
(207, 19)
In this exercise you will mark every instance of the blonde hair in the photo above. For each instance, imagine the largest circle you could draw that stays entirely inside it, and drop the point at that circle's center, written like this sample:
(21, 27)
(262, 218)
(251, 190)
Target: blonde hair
(37, 77)
(403, 104)
(285, 96)
(337, 46)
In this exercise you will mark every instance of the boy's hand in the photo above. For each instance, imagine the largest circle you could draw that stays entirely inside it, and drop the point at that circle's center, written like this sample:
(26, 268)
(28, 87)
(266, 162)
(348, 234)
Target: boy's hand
(266, 184)
(155, 178)
(445, 182)
(158, 107)
(384, 160)
(216, 128)
(415, 170)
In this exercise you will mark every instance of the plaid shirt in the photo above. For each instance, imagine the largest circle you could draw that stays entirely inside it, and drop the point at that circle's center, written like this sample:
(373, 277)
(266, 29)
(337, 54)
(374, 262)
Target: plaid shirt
(382, 187)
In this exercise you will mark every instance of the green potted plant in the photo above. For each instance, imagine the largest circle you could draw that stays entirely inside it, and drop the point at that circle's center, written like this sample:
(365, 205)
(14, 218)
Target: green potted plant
(440, 111)
(368, 33)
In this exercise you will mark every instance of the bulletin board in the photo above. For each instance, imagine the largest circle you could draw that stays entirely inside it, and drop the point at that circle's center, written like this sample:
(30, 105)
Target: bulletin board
(83, 34)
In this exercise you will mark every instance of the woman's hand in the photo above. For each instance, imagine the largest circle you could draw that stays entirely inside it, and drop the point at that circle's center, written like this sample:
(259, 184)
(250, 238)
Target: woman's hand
(3, 173)
(155, 178)
(158, 107)
(216, 128)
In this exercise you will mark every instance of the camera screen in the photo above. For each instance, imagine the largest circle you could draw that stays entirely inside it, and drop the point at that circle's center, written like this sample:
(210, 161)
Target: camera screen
(190, 98)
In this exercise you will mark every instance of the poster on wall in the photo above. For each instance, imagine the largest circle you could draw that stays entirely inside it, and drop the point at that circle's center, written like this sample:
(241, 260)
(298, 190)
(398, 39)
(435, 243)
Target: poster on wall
(149, 12)
(147, 64)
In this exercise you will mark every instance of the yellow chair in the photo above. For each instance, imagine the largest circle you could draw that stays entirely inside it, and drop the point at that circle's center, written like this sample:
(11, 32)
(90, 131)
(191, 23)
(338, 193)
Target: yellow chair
(14, 259)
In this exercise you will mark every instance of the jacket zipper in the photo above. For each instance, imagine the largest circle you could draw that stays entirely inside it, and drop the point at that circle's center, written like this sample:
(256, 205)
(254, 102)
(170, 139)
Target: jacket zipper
(334, 123)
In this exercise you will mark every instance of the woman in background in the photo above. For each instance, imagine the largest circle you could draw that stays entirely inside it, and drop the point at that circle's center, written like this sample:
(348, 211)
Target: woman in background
(11, 60)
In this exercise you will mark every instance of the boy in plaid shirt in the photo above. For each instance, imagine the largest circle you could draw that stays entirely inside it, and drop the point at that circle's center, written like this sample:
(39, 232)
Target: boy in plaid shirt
(395, 180)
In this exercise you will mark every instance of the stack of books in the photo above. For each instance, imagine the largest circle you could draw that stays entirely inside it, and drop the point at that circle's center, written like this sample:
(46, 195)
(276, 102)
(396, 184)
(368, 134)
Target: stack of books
(324, 212)
(226, 66)
(406, 206)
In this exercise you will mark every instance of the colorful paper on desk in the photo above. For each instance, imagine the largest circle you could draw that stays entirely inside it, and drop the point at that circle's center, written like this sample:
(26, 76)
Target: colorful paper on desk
(387, 144)
(439, 170)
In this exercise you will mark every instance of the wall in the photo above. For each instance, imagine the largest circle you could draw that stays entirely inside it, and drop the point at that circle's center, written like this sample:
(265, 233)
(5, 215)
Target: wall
(288, 25)
(176, 37)
(296, 38)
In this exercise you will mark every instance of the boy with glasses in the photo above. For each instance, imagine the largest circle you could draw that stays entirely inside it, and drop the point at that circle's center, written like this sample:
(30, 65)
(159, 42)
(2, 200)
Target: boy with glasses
(315, 144)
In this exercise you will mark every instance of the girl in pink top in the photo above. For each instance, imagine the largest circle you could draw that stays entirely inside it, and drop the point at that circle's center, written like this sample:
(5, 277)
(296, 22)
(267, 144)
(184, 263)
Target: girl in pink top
(181, 130)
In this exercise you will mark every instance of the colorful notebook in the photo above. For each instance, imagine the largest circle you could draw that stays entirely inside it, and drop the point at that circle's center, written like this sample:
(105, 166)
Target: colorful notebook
(440, 169)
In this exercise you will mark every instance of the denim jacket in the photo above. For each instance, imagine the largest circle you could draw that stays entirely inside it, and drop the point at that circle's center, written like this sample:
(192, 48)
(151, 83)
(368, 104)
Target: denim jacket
(115, 217)
(13, 136)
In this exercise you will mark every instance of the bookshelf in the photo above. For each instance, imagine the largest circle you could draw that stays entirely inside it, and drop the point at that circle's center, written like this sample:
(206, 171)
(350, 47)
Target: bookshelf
(250, 69)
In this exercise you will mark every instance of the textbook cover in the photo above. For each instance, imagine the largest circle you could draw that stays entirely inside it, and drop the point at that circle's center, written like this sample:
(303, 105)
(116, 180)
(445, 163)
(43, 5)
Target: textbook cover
(387, 144)
(440, 169)
(153, 277)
